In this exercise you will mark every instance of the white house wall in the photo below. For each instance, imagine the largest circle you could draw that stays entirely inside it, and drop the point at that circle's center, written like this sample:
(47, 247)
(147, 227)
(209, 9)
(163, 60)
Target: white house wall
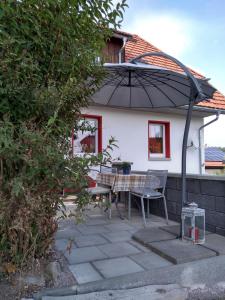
(130, 129)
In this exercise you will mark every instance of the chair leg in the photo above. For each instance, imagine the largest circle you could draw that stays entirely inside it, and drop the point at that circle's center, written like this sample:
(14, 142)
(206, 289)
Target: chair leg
(165, 207)
(129, 206)
(101, 203)
(143, 210)
(117, 207)
(110, 205)
(147, 208)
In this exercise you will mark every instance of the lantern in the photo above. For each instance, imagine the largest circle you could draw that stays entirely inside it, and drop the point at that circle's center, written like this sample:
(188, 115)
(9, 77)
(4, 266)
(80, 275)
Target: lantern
(193, 223)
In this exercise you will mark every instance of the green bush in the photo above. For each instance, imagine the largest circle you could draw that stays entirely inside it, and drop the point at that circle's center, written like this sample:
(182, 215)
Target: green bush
(47, 72)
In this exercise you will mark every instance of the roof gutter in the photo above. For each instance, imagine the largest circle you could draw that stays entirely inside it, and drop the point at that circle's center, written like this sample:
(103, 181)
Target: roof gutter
(201, 163)
(205, 109)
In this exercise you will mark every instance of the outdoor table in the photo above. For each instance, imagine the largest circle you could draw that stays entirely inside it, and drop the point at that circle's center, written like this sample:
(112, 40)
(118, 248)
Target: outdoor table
(120, 182)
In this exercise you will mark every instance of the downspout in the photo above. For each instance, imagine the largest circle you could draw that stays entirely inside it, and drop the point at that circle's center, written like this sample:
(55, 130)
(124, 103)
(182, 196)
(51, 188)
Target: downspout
(121, 50)
(200, 140)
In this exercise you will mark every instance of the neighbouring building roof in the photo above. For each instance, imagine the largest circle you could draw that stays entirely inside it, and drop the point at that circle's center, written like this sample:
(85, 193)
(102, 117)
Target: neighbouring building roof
(135, 45)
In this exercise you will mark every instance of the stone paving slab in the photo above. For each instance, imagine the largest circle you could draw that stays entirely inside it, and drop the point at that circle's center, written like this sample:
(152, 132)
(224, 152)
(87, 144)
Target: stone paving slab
(150, 260)
(89, 240)
(85, 254)
(117, 227)
(64, 244)
(216, 243)
(175, 229)
(148, 235)
(118, 249)
(117, 267)
(68, 223)
(67, 233)
(179, 252)
(84, 273)
(96, 221)
(121, 236)
(95, 229)
(141, 247)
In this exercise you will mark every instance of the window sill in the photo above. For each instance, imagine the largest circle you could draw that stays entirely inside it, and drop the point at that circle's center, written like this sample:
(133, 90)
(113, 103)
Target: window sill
(159, 159)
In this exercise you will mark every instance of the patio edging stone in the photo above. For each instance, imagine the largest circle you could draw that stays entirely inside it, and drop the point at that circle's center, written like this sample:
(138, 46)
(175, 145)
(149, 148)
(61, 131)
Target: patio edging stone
(174, 250)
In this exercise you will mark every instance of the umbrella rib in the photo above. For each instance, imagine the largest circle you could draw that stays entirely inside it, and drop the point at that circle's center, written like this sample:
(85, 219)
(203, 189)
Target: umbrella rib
(171, 87)
(169, 79)
(118, 84)
(173, 73)
(109, 80)
(149, 98)
(160, 91)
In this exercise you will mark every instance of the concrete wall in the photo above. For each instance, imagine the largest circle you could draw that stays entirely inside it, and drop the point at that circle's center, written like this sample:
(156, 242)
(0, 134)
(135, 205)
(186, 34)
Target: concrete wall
(207, 191)
(130, 128)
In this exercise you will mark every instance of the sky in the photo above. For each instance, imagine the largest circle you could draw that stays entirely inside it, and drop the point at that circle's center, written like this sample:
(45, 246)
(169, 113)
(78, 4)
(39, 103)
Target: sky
(192, 31)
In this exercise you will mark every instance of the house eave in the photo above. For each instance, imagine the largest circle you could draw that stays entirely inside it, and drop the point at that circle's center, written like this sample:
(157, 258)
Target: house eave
(198, 111)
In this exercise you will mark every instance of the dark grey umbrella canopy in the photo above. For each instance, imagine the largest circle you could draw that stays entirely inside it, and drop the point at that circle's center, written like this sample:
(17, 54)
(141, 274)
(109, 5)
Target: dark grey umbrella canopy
(141, 85)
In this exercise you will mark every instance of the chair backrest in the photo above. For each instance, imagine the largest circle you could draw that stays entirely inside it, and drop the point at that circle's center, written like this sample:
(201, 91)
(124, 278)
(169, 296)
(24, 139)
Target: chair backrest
(156, 180)
(107, 169)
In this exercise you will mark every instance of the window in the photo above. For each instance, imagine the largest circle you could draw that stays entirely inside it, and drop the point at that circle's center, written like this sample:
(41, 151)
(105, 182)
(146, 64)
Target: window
(89, 140)
(158, 139)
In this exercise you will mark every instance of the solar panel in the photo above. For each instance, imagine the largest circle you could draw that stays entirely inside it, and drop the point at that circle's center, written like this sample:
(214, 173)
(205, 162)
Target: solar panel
(214, 154)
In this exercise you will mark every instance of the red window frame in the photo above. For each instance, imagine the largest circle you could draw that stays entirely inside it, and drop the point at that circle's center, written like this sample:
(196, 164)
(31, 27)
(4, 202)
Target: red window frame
(99, 120)
(167, 137)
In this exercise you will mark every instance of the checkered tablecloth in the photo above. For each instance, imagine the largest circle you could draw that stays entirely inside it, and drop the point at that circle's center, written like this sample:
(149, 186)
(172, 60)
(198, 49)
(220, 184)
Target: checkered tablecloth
(119, 182)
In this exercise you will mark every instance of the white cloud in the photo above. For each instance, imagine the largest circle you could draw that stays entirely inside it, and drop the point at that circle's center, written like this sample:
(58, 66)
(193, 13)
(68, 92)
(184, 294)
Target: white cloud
(170, 33)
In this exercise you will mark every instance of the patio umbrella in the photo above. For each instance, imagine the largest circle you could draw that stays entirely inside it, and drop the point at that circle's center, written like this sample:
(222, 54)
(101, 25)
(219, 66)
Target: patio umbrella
(139, 85)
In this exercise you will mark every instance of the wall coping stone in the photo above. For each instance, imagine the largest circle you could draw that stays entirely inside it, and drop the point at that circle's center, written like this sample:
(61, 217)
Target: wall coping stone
(190, 176)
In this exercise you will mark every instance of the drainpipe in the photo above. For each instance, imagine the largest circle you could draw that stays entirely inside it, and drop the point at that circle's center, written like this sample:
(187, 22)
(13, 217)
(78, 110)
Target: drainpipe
(200, 140)
(121, 50)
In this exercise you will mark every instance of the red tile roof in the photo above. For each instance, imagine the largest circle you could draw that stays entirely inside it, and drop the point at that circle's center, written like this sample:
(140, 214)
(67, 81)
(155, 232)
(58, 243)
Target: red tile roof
(136, 46)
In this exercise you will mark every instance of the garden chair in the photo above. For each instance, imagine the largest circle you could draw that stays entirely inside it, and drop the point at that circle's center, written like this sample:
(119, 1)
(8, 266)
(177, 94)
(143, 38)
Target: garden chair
(102, 191)
(153, 188)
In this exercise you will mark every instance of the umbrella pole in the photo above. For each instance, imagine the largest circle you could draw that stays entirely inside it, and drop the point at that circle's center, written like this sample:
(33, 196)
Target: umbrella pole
(184, 159)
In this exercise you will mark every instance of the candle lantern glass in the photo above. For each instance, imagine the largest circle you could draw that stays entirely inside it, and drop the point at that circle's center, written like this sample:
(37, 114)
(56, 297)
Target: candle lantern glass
(193, 224)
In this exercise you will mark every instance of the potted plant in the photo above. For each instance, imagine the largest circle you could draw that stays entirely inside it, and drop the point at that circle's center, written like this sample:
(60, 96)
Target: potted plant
(126, 166)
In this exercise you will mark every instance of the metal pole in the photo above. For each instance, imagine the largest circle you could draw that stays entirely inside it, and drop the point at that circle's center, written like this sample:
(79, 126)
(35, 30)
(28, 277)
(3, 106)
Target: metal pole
(184, 154)
(184, 157)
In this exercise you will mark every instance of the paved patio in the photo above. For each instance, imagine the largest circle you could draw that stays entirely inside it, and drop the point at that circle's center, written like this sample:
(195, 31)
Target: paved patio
(119, 259)
(101, 248)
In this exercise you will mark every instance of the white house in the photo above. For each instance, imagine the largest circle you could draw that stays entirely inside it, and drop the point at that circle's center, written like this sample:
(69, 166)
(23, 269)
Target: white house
(150, 139)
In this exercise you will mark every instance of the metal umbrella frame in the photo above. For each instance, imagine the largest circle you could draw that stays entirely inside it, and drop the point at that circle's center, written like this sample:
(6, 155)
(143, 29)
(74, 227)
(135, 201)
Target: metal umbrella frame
(196, 94)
